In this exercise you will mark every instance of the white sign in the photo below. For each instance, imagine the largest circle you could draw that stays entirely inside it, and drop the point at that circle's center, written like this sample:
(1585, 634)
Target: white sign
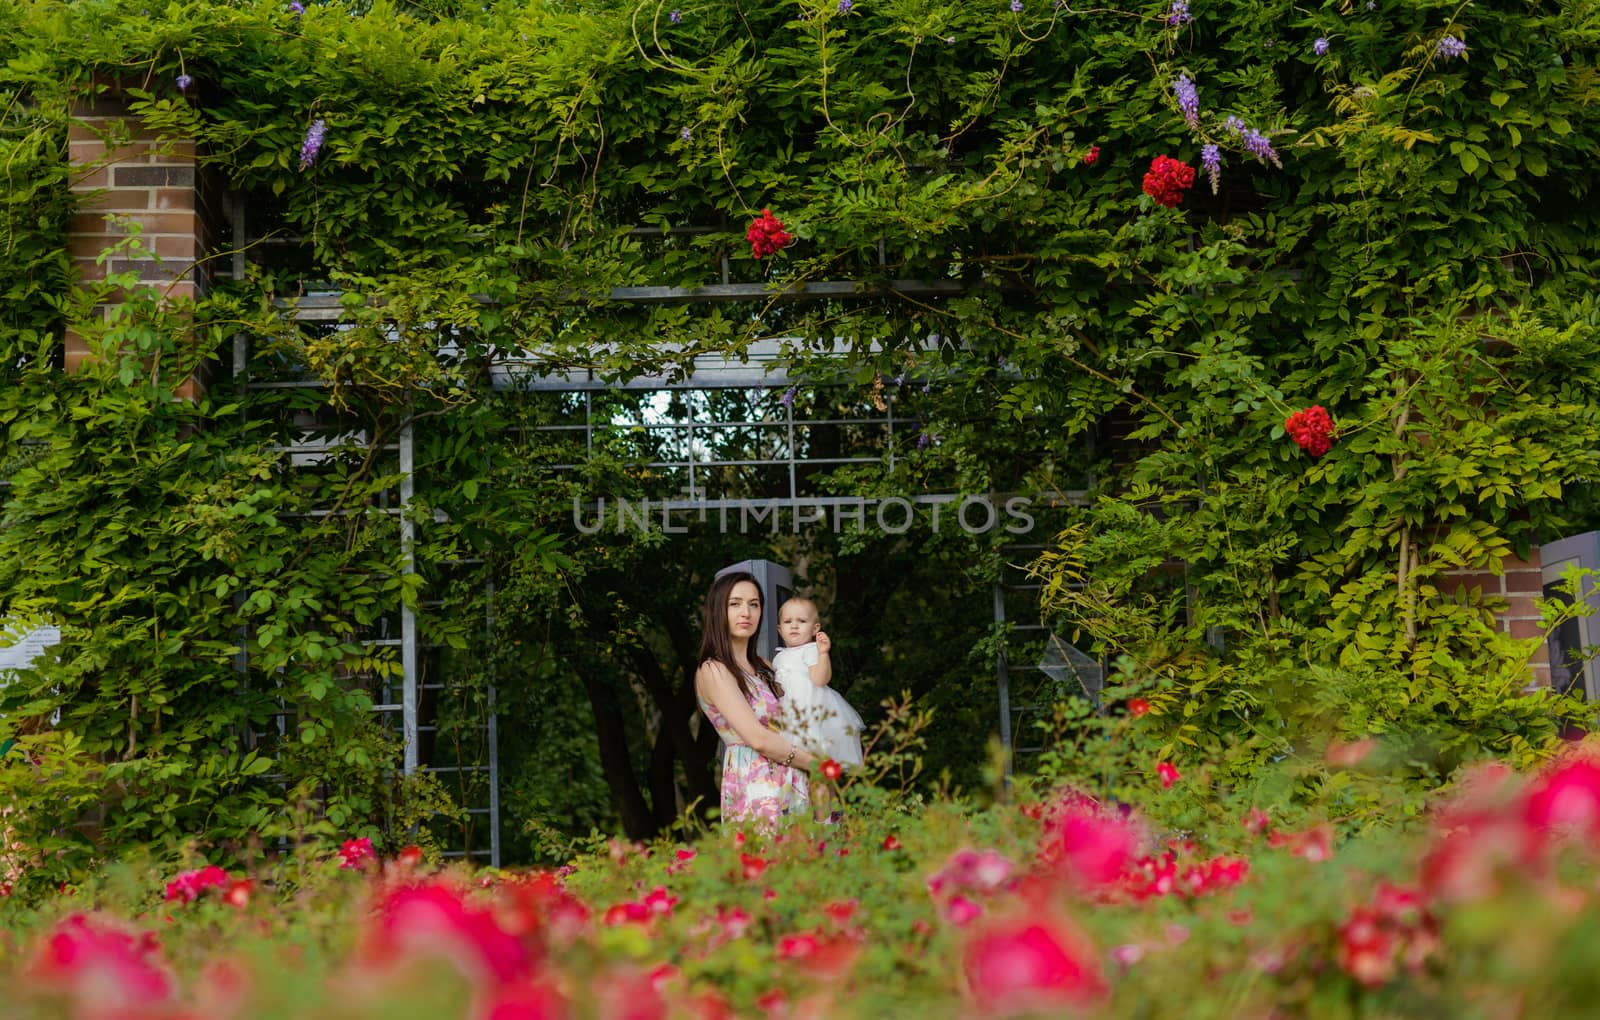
(23, 652)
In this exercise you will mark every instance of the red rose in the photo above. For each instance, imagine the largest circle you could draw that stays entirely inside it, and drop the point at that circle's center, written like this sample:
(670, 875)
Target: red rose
(832, 771)
(766, 235)
(1311, 429)
(1167, 180)
(1169, 774)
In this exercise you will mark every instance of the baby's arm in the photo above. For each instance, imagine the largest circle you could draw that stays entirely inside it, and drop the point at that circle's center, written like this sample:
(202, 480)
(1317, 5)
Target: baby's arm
(822, 672)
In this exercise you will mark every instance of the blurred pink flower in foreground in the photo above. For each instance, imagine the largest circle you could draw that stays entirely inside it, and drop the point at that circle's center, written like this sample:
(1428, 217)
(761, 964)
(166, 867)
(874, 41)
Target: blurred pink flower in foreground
(106, 972)
(1025, 965)
(1089, 847)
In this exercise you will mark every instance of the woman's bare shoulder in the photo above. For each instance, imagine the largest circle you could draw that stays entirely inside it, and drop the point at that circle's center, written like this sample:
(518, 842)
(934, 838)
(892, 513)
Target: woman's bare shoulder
(712, 671)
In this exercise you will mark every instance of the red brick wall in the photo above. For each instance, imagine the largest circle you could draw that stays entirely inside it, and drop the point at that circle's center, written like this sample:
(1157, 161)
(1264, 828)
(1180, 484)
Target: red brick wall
(132, 177)
(1519, 584)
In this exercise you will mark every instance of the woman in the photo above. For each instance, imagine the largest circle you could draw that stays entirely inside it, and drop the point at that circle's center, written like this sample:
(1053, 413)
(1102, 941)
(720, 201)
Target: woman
(763, 773)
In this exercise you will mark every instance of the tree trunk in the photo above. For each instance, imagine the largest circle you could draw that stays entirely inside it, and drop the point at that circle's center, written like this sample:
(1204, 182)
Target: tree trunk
(677, 707)
(616, 761)
(663, 784)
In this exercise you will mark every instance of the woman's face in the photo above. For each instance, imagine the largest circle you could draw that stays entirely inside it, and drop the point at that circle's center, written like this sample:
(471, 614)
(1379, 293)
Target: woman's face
(744, 610)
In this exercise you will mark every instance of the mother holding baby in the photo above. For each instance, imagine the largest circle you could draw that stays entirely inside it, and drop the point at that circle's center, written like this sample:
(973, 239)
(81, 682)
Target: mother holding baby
(764, 773)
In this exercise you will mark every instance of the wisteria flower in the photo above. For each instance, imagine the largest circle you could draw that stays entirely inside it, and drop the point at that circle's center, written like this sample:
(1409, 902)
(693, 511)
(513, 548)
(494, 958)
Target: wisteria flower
(297, 8)
(1255, 143)
(1179, 13)
(1016, 6)
(313, 143)
(686, 134)
(845, 5)
(1450, 47)
(183, 82)
(1188, 99)
(787, 400)
(1211, 159)
(675, 17)
(1320, 47)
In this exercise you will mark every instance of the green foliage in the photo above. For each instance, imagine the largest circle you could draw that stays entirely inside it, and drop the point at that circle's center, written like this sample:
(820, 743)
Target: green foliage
(1419, 256)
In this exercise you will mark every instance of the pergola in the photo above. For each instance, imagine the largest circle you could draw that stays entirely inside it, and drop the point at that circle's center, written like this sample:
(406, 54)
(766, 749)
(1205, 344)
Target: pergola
(688, 424)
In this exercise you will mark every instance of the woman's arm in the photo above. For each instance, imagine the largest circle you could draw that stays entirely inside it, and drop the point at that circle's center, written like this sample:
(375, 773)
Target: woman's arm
(715, 684)
(822, 672)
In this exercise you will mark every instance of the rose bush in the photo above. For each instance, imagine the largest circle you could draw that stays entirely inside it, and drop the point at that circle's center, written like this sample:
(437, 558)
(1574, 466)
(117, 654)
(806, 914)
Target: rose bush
(1056, 903)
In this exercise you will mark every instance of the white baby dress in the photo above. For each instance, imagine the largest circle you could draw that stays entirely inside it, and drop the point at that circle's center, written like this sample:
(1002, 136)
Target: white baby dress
(818, 717)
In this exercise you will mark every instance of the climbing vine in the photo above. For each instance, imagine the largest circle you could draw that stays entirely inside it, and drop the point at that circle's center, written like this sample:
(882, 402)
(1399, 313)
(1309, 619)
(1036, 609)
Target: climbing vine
(1148, 239)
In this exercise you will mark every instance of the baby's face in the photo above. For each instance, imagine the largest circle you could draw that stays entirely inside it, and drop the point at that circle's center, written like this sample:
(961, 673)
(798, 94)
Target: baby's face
(797, 624)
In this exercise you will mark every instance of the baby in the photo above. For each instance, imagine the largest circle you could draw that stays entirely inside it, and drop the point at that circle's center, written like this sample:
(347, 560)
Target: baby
(817, 716)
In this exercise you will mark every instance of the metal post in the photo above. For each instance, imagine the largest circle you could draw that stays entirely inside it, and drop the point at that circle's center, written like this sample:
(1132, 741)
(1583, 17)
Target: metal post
(494, 738)
(891, 430)
(788, 420)
(241, 342)
(408, 616)
(1002, 674)
(494, 784)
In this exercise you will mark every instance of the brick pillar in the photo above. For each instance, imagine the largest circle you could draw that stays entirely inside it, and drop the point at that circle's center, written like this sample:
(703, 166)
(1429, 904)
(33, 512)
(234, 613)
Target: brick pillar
(132, 177)
(1518, 585)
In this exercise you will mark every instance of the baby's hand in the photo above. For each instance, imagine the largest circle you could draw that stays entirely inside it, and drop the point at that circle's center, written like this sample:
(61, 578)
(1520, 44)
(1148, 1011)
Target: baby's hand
(823, 643)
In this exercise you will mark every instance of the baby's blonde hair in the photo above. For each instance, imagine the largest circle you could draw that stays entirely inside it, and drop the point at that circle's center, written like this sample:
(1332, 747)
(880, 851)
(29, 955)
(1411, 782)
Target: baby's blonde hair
(815, 612)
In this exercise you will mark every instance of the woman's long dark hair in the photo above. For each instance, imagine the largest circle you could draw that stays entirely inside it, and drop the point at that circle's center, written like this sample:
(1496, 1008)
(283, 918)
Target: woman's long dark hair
(717, 646)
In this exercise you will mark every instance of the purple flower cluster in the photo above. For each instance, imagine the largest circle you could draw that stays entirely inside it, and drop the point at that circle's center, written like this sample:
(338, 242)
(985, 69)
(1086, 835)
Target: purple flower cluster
(1450, 47)
(1211, 157)
(676, 16)
(1255, 143)
(313, 143)
(787, 400)
(1016, 6)
(183, 82)
(845, 5)
(686, 134)
(1320, 47)
(296, 8)
(1188, 99)
(1179, 13)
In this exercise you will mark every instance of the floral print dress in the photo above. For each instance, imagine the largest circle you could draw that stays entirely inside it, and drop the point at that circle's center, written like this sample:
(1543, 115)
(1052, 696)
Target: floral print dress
(756, 788)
